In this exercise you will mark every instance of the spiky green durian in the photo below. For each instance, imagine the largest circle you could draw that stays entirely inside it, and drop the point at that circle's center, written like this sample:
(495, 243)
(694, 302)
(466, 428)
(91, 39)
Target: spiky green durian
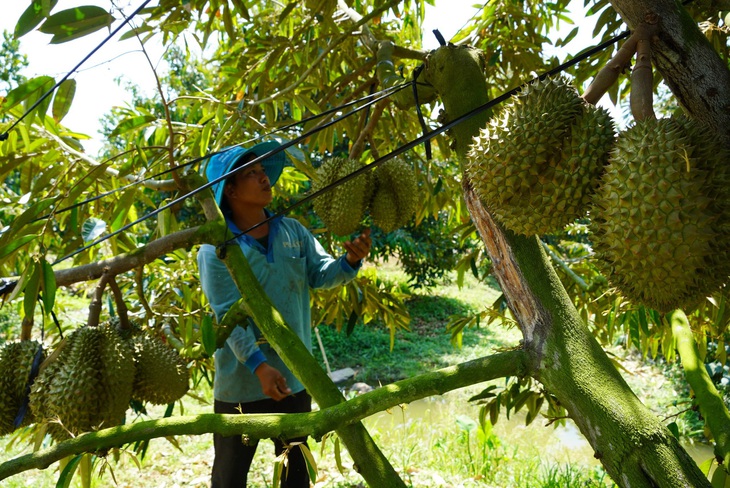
(16, 362)
(395, 199)
(161, 374)
(87, 386)
(537, 162)
(342, 209)
(662, 213)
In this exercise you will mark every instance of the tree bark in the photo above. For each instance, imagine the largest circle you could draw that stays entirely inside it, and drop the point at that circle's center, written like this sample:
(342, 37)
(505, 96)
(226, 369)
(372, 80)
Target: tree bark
(686, 60)
(636, 449)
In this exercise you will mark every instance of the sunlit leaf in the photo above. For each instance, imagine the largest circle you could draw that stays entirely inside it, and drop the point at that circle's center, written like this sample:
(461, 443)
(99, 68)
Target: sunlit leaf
(132, 123)
(32, 16)
(76, 22)
(31, 90)
(208, 335)
(92, 229)
(63, 99)
(64, 480)
(48, 285)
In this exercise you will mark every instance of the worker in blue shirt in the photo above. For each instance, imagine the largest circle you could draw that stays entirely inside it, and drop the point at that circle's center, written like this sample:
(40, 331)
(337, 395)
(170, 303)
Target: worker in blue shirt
(287, 260)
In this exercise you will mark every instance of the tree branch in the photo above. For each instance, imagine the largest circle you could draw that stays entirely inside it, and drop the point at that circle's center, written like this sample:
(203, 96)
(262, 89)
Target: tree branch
(315, 424)
(712, 406)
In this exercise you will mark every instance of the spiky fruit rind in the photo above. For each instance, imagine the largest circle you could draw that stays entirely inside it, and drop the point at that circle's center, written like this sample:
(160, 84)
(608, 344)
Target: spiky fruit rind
(395, 199)
(88, 386)
(161, 374)
(16, 362)
(342, 208)
(661, 214)
(537, 162)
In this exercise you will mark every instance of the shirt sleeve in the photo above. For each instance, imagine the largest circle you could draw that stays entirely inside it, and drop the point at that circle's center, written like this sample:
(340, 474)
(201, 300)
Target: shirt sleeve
(222, 293)
(324, 271)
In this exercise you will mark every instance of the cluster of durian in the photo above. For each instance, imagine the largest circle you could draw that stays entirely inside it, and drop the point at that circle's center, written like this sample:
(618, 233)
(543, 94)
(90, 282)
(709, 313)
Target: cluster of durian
(16, 363)
(538, 161)
(389, 194)
(661, 214)
(94, 375)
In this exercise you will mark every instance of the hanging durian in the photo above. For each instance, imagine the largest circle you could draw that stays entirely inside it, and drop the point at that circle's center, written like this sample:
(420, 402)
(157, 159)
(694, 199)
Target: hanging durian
(16, 362)
(537, 162)
(87, 386)
(161, 374)
(395, 199)
(662, 213)
(342, 209)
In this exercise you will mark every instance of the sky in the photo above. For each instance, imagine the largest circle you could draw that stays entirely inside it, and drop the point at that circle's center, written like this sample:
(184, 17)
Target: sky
(98, 91)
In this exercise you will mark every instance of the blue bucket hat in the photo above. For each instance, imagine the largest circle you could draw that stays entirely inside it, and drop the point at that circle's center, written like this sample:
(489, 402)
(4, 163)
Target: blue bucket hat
(226, 160)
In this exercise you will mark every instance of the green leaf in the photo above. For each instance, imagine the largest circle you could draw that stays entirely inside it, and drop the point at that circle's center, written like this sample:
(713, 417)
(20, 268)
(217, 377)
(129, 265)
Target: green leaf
(91, 229)
(63, 98)
(35, 86)
(32, 16)
(15, 244)
(32, 287)
(64, 480)
(311, 463)
(338, 456)
(77, 22)
(48, 285)
(132, 34)
(719, 478)
(706, 466)
(125, 204)
(208, 334)
(132, 123)
(674, 429)
(465, 423)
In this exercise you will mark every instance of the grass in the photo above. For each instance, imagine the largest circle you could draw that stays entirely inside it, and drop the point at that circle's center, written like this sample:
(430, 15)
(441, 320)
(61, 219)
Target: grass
(434, 442)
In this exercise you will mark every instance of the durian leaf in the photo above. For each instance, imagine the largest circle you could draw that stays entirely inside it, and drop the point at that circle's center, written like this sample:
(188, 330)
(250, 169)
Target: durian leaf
(64, 480)
(32, 288)
(76, 22)
(311, 463)
(92, 228)
(48, 286)
(16, 244)
(62, 100)
(208, 335)
(338, 456)
(32, 16)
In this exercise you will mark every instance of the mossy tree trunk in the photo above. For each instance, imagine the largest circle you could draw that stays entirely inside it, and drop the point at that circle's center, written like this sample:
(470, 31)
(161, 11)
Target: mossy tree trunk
(636, 449)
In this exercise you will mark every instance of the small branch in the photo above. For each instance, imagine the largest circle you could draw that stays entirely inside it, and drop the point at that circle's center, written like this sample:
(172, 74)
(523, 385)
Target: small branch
(359, 145)
(642, 80)
(122, 310)
(316, 424)
(577, 279)
(139, 281)
(712, 406)
(609, 74)
(98, 299)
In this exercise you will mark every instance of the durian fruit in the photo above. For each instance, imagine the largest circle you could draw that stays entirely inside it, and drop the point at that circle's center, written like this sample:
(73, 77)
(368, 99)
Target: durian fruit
(16, 363)
(662, 212)
(161, 374)
(88, 386)
(538, 161)
(342, 209)
(395, 199)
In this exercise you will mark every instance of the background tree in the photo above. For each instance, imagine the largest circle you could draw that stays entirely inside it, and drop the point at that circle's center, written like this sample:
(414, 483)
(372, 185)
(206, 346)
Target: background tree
(280, 65)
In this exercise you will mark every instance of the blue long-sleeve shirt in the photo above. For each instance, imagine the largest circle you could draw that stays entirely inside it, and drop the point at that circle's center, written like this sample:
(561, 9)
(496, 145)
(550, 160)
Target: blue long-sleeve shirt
(293, 262)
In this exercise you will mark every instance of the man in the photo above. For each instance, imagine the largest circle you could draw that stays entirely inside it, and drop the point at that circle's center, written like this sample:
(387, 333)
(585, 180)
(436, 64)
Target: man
(287, 260)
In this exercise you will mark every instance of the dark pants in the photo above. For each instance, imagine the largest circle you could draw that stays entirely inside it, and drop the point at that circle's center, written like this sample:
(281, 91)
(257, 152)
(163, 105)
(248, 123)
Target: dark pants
(233, 457)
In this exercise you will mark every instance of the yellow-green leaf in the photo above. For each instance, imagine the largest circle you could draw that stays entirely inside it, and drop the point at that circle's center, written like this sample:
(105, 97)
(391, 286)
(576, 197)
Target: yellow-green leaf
(48, 286)
(32, 16)
(63, 98)
(76, 22)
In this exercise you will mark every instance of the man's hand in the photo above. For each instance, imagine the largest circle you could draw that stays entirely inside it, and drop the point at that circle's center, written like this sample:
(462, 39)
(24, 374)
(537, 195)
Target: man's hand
(273, 383)
(359, 248)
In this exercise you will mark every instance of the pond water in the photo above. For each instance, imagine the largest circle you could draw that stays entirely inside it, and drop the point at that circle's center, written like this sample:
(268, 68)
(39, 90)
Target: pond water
(550, 444)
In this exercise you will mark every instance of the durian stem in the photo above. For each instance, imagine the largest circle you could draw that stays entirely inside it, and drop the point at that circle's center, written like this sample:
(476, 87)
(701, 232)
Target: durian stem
(609, 74)
(122, 310)
(712, 407)
(97, 300)
(642, 80)
(359, 146)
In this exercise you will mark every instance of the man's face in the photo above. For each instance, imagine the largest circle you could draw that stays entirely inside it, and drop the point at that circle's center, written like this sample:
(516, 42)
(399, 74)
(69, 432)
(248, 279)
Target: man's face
(249, 186)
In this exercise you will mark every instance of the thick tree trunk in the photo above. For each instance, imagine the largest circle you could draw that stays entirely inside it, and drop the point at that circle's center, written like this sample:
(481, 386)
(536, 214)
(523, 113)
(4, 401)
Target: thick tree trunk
(634, 446)
(684, 57)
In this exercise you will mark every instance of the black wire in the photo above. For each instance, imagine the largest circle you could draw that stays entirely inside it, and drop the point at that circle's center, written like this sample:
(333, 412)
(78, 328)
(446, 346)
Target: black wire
(5, 134)
(209, 155)
(430, 135)
(258, 159)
